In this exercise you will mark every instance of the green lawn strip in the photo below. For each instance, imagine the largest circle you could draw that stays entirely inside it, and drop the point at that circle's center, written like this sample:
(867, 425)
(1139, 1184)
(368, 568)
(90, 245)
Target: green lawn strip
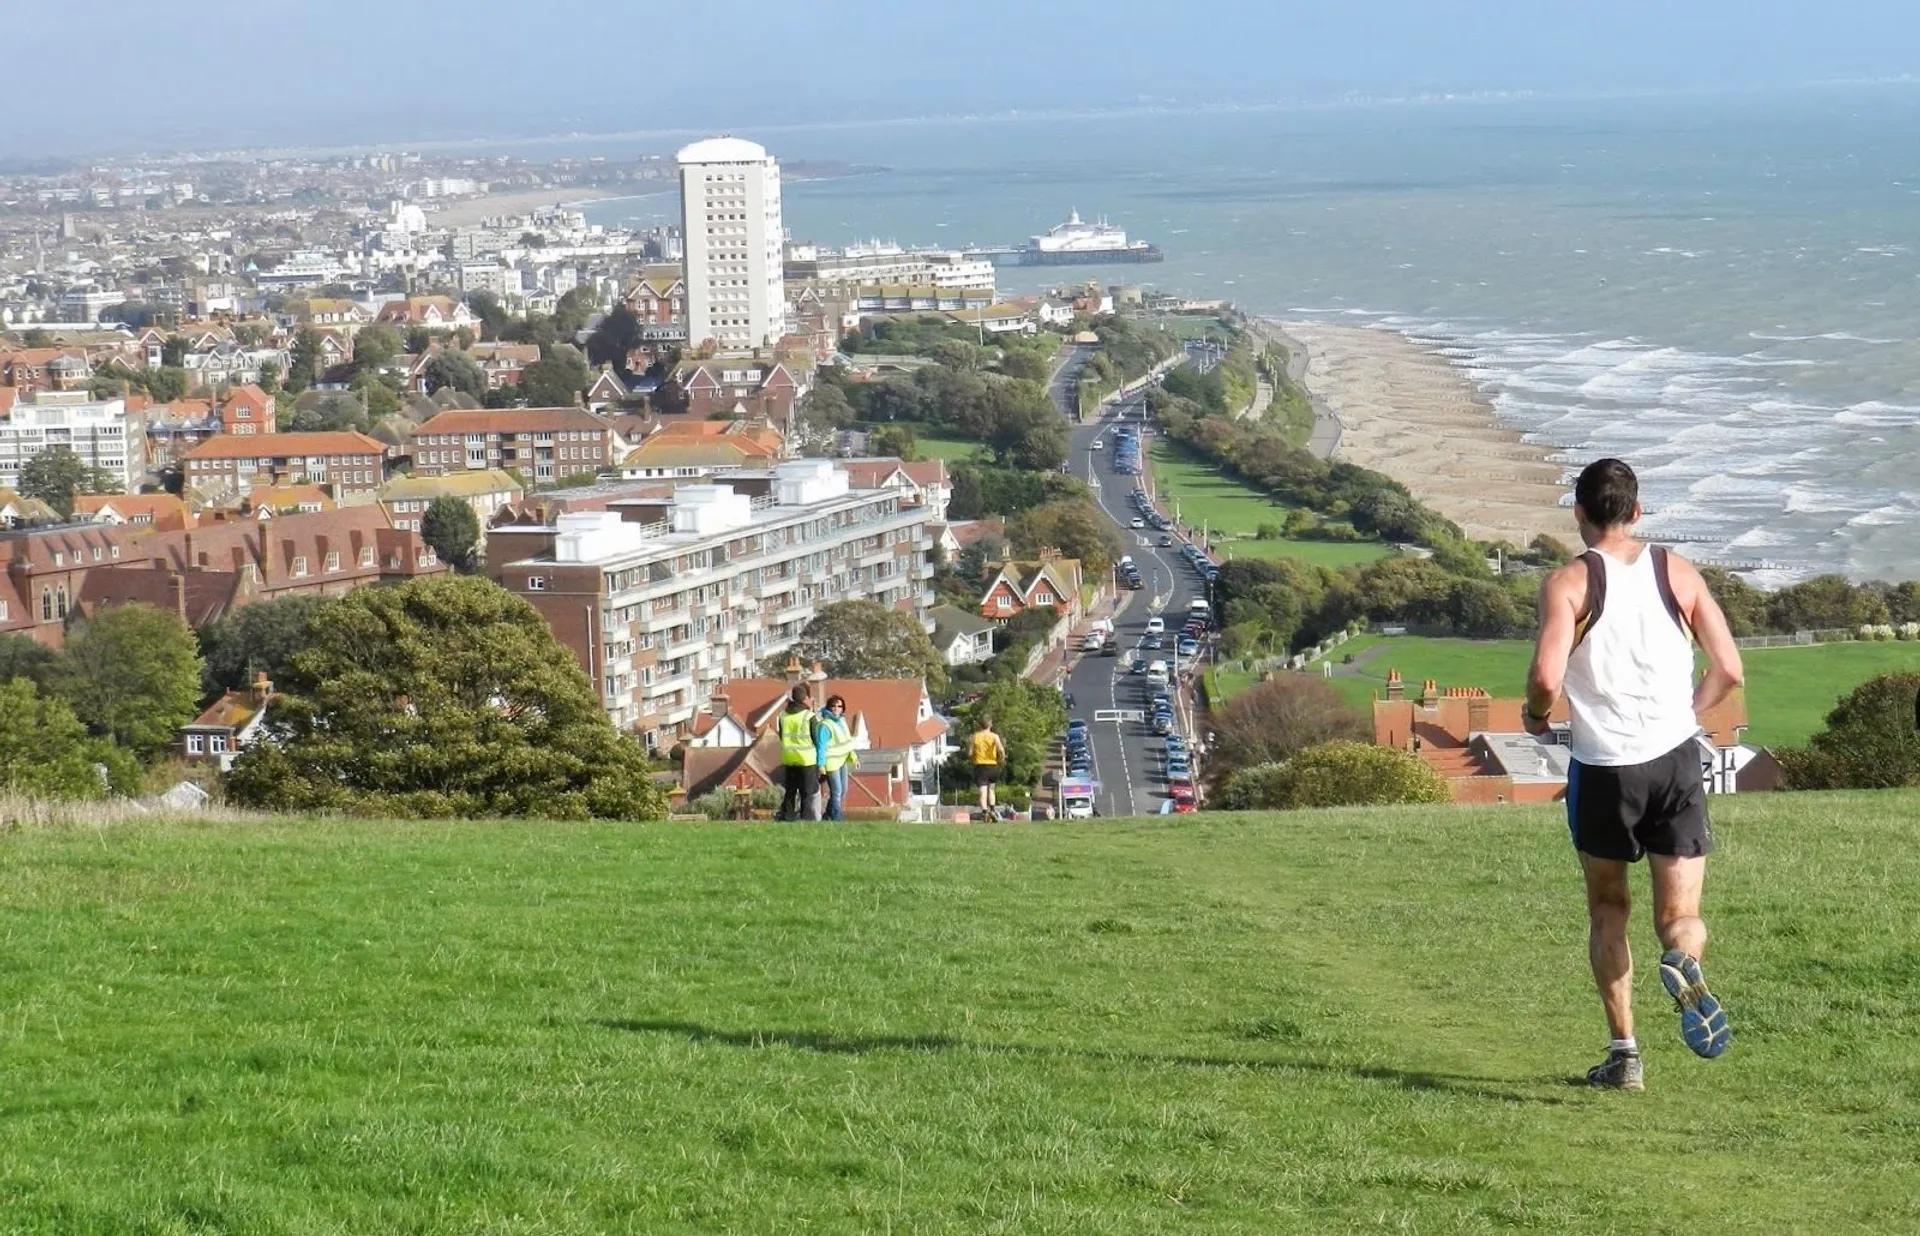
(1326, 1022)
(948, 450)
(1319, 553)
(1789, 690)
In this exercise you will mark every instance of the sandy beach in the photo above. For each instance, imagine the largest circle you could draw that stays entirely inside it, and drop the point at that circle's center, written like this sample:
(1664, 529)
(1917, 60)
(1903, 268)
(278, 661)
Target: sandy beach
(1410, 413)
(472, 211)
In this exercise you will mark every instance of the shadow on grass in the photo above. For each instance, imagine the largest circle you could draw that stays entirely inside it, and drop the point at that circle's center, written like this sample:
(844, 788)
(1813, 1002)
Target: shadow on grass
(861, 1045)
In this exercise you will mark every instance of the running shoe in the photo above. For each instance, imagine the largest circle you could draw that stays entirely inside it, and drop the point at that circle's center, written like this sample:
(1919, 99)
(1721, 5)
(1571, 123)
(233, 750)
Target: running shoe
(1703, 1023)
(1622, 1071)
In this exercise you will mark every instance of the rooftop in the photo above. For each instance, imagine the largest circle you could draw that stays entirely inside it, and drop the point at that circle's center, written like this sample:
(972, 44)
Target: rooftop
(723, 150)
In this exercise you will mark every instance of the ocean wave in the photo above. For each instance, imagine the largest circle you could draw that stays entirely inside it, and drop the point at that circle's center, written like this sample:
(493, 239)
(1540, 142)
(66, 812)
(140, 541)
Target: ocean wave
(1874, 414)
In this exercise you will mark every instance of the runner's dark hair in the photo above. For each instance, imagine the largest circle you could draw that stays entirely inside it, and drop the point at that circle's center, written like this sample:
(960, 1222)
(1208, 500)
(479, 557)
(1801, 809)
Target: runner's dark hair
(1607, 491)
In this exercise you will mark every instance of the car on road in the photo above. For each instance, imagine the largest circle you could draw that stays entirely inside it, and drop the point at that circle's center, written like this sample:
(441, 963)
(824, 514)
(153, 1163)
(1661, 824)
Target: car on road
(1165, 540)
(1156, 625)
(1153, 643)
(1098, 445)
(1188, 646)
(1182, 795)
(1179, 770)
(1138, 522)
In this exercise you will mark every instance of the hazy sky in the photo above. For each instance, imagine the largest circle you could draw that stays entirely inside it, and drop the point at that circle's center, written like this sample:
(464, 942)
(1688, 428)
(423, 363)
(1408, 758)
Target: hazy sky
(119, 75)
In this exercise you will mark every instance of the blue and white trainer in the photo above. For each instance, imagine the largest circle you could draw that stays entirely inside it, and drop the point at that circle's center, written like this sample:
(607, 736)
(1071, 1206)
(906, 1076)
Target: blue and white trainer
(1703, 1023)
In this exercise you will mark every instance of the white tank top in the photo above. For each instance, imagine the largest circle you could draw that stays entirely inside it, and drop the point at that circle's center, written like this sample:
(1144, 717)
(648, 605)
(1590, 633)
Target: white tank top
(1630, 680)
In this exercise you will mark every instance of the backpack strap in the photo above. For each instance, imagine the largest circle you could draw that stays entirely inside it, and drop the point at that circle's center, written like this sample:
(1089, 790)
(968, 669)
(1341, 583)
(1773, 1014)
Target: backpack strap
(1596, 601)
(1664, 582)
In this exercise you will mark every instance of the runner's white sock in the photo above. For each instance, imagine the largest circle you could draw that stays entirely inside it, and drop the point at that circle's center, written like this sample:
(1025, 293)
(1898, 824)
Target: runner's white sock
(1630, 1045)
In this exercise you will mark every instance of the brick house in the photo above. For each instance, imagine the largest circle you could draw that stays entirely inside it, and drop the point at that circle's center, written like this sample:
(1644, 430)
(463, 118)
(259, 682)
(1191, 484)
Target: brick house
(1050, 582)
(431, 312)
(543, 445)
(229, 726)
(351, 465)
(750, 387)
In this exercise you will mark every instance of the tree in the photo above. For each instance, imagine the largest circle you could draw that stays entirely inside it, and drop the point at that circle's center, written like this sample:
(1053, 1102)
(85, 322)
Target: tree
(1027, 716)
(255, 639)
(21, 656)
(1336, 774)
(616, 337)
(1869, 743)
(269, 377)
(54, 476)
(1744, 605)
(165, 384)
(455, 370)
(894, 440)
(865, 639)
(493, 318)
(1272, 721)
(443, 697)
(304, 366)
(1824, 602)
(1075, 527)
(571, 314)
(453, 530)
(376, 347)
(45, 751)
(1024, 363)
(173, 352)
(132, 674)
(825, 410)
(332, 412)
(557, 379)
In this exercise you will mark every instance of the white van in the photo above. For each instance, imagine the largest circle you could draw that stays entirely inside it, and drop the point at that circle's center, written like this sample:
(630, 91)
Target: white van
(1156, 626)
(1199, 609)
(1157, 674)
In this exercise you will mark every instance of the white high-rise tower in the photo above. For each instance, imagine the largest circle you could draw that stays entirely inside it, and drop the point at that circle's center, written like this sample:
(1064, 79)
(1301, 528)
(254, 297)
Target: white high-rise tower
(730, 217)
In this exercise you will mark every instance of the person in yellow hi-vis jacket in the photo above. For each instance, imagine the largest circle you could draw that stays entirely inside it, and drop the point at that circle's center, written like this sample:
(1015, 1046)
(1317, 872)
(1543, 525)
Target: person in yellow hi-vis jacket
(799, 759)
(988, 754)
(836, 756)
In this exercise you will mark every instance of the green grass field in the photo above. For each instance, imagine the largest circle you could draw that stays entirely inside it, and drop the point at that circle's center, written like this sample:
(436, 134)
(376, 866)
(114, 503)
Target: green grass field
(948, 450)
(1789, 690)
(1342, 1022)
(1229, 509)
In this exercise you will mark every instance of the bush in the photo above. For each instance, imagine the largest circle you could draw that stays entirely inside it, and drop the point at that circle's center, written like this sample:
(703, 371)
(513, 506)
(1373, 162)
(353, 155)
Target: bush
(1271, 722)
(1870, 742)
(1337, 774)
(1269, 532)
(718, 804)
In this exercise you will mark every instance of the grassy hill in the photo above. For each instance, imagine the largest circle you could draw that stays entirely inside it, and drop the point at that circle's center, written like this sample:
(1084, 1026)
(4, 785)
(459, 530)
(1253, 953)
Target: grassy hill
(1229, 509)
(1335, 1022)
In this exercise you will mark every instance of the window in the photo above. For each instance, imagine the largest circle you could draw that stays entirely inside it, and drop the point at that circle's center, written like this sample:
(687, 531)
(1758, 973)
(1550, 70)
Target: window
(300, 566)
(3, 611)
(196, 744)
(1003, 601)
(536, 583)
(60, 601)
(46, 605)
(366, 555)
(1043, 598)
(217, 743)
(333, 560)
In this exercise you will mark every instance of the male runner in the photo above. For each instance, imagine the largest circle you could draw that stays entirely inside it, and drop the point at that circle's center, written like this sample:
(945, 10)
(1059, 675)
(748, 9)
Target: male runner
(1617, 628)
(988, 754)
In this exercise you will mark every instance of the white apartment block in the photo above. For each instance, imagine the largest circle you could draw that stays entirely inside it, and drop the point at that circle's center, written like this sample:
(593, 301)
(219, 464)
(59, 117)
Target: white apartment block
(730, 216)
(889, 263)
(99, 431)
(660, 611)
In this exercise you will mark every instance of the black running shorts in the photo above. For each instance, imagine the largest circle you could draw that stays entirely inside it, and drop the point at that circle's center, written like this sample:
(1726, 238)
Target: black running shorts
(1659, 807)
(986, 774)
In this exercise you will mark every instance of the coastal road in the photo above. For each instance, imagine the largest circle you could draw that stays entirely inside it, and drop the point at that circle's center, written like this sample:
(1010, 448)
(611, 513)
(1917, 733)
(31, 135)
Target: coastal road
(1126, 755)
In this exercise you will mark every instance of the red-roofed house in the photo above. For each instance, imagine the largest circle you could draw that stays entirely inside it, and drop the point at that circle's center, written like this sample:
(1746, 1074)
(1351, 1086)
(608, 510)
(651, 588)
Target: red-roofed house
(432, 312)
(543, 444)
(1051, 582)
(921, 483)
(348, 463)
(247, 409)
(146, 512)
(1480, 746)
(229, 726)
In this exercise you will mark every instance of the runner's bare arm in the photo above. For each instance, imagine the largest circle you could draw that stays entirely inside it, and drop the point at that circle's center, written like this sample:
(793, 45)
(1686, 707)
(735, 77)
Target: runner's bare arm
(1561, 596)
(1710, 631)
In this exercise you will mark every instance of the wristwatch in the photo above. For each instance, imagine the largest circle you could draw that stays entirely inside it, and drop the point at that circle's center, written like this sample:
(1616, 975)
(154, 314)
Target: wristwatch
(1536, 717)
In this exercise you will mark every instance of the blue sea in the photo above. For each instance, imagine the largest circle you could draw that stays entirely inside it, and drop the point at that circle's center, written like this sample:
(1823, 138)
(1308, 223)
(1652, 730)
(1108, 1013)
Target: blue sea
(1722, 289)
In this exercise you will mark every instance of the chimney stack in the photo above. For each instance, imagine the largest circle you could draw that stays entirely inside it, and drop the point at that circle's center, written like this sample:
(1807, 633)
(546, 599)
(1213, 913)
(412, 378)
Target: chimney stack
(817, 683)
(179, 583)
(1396, 689)
(1429, 694)
(793, 670)
(719, 705)
(262, 689)
(1477, 709)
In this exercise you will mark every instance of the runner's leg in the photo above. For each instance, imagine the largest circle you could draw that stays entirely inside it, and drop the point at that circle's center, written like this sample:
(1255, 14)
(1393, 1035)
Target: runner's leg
(1677, 883)
(1609, 906)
